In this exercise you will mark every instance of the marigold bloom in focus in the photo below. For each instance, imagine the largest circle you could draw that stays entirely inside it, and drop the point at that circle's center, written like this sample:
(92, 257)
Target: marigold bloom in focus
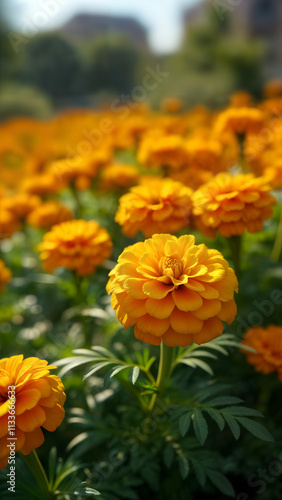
(39, 400)
(173, 290)
(5, 276)
(48, 214)
(267, 343)
(119, 176)
(155, 206)
(230, 204)
(78, 245)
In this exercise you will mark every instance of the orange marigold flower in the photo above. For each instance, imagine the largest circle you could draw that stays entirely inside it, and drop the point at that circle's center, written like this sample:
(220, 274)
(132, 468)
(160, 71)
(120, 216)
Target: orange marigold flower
(41, 184)
(155, 206)
(119, 176)
(20, 204)
(230, 204)
(160, 150)
(173, 290)
(240, 121)
(39, 399)
(241, 99)
(267, 343)
(274, 175)
(78, 245)
(273, 89)
(171, 105)
(5, 276)
(9, 224)
(48, 214)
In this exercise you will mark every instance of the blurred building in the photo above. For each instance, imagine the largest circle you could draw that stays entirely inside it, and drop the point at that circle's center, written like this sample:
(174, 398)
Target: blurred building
(248, 18)
(86, 26)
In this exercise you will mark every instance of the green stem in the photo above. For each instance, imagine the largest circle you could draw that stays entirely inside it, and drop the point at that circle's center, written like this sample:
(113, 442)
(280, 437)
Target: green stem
(78, 205)
(235, 243)
(165, 368)
(275, 254)
(37, 470)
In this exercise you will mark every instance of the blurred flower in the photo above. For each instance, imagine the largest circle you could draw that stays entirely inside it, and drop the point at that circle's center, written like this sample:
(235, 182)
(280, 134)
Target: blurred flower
(20, 204)
(9, 224)
(240, 121)
(78, 245)
(41, 184)
(155, 206)
(171, 105)
(119, 176)
(5, 276)
(48, 214)
(273, 89)
(267, 342)
(241, 99)
(157, 149)
(39, 400)
(230, 204)
(274, 175)
(173, 290)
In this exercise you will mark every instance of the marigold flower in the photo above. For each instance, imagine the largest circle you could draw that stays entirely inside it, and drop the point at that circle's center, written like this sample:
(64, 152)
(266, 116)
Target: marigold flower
(171, 105)
(240, 99)
(119, 176)
(20, 204)
(39, 400)
(5, 276)
(274, 175)
(155, 206)
(41, 184)
(78, 245)
(230, 204)
(48, 214)
(159, 150)
(9, 224)
(173, 290)
(267, 343)
(240, 121)
(273, 88)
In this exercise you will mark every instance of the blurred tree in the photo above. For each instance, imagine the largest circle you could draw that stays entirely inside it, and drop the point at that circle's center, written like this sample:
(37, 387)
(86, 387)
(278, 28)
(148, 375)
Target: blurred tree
(54, 66)
(112, 64)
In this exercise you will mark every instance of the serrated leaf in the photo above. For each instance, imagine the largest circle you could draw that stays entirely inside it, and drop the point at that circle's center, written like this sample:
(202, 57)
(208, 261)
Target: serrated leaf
(200, 353)
(197, 363)
(221, 482)
(102, 350)
(256, 429)
(96, 368)
(233, 425)
(135, 374)
(183, 466)
(200, 426)
(168, 455)
(241, 411)
(85, 492)
(215, 415)
(112, 373)
(199, 472)
(224, 400)
(184, 423)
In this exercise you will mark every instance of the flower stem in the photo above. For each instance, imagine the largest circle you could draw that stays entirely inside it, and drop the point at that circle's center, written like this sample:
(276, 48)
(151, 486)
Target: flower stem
(38, 472)
(235, 247)
(165, 368)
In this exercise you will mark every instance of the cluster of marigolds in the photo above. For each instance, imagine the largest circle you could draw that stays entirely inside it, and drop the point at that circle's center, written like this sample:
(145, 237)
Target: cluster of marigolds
(199, 169)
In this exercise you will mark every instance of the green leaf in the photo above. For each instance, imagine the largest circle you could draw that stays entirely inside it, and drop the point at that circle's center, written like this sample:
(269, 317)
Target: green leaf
(233, 425)
(183, 466)
(215, 415)
(96, 368)
(197, 363)
(224, 400)
(135, 374)
(221, 482)
(52, 461)
(85, 491)
(184, 423)
(112, 373)
(241, 411)
(168, 455)
(256, 429)
(200, 472)
(200, 426)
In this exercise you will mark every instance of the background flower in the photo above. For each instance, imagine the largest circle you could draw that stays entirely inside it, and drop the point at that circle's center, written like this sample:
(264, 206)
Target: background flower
(267, 343)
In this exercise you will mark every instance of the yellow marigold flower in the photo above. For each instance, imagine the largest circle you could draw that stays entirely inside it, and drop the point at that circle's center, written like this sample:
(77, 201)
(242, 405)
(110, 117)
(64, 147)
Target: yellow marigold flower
(163, 151)
(41, 184)
(9, 224)
(154, 206)
(230, 204)
(173, 290)
(5, 276)
(78, 245)
(267, 343)
(205, 154)
(193, 177)
(274, 175)
(171, 105)
(240, 121)
(241, 99)
(39, 399)
(20, 204)
(273, 89)
(119, 176)
(48, 214)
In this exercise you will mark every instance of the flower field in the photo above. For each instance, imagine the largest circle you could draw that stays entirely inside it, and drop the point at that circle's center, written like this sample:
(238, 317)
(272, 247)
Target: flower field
(140, 302)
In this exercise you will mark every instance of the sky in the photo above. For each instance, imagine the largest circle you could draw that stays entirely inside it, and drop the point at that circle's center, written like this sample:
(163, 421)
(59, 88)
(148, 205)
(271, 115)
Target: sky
(162, 18)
